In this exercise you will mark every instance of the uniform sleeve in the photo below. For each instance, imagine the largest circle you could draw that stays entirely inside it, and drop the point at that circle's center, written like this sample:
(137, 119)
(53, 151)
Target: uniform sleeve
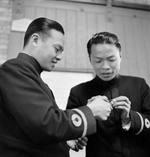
(140, 120)
(36, 112)
(74, 102)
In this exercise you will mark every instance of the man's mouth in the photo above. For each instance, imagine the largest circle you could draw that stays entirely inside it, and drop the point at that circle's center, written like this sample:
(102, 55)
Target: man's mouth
(54, 62)
(106, 74)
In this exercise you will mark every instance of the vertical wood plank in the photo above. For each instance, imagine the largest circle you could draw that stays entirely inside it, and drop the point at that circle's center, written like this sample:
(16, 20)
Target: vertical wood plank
(14, 48)
(82, 20)
(129, 33)
(40, 11)
(81, 43)
(61, 18)
(71, 42)
(51, 13)
(30, 12)
(118, 28)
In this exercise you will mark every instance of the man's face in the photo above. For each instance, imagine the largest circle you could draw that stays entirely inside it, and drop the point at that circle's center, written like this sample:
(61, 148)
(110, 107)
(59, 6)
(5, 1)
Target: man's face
(105, 59)
(50, 49)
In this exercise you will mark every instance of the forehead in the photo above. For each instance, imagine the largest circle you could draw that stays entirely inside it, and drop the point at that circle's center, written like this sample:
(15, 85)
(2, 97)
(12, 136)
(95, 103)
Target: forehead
(56, 37)
(104, 50)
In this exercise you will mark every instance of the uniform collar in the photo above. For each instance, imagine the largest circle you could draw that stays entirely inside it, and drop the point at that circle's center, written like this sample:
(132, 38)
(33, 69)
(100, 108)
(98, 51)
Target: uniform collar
(30, 60)
(104, 84)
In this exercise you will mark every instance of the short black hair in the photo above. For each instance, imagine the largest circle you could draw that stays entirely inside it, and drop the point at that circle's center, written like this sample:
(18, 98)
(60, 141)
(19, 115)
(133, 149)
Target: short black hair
(41, 25)
(103, 38)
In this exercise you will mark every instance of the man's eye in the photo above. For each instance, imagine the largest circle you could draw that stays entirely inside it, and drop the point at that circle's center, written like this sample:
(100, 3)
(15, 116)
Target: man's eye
(98, 61)
(112, 60)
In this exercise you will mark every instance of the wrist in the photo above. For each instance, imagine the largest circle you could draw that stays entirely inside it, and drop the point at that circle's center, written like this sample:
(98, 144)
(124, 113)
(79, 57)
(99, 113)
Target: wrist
(126, 123)
(126, 120)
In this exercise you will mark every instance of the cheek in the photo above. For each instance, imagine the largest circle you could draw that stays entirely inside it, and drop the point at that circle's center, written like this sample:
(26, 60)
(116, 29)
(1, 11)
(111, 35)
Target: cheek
(96, 66)
(116, 66)
(48, 54)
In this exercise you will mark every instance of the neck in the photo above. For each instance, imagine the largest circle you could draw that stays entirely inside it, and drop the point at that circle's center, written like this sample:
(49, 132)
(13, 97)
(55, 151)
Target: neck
(29, 51)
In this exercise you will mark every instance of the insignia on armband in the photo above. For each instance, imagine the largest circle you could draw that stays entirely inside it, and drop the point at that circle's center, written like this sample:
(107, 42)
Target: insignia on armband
(147, 123)
(76, 120)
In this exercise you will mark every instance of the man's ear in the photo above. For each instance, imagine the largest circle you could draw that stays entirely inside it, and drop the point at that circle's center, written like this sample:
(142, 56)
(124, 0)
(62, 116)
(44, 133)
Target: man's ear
(120, 53)
(120, 56)
(35, 38)
(89, 57)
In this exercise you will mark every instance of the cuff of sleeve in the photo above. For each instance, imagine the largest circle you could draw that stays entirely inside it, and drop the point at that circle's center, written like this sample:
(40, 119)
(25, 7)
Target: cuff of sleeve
(137, 123)
(142, 124)
(84, 121)
(90, 121)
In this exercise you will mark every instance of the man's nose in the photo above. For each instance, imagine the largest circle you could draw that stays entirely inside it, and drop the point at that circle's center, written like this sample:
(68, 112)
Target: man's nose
(105, 65)
(59, 56)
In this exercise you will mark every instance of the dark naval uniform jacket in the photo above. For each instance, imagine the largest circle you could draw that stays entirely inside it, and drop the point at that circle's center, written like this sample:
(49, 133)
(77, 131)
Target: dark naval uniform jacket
(111, 139)
(31, 124)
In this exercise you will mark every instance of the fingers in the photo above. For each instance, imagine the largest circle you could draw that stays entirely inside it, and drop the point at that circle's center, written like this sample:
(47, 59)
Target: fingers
(105, 98)
(85, 139)
(124, 104)
(100, 106)
(121, 98)
(121, 102)
(72, 145)
(121, 105)
(81, 142)
(98, 96)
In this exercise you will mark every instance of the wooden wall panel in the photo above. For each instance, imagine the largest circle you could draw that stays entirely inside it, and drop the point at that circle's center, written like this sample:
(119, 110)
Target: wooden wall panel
(30, 12)
(101, 22)
(118, 28)
(61, 17)
(16, 39)
(146, 45)
(129, 33)
(80, 21)
(81, 43)
(39, 11)
(133, 30)
(71, 44)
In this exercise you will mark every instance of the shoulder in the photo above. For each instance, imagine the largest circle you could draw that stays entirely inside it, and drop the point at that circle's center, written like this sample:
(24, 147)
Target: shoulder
(133, 81)
(10, 63)
(13, 68)
(131, 78)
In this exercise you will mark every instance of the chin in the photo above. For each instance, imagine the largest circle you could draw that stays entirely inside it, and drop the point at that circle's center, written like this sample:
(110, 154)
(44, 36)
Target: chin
(107, 78)
(48, 68)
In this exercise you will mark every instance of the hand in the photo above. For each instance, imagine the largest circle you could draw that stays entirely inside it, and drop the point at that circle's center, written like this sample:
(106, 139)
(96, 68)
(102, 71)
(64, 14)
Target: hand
(100, 107)
(124, 104)
(78, 144)
(81, 142)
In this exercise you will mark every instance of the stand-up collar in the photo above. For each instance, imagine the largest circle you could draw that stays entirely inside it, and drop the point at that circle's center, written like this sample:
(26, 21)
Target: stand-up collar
(27, 59)
(105, 84)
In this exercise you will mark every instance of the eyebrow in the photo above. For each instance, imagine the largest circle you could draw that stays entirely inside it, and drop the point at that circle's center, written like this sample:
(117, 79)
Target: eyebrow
(111, 57)
(106, 57)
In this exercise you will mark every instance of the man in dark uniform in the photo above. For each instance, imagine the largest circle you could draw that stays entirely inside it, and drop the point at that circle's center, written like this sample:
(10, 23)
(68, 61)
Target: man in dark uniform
(31, 124)
(126, 133)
